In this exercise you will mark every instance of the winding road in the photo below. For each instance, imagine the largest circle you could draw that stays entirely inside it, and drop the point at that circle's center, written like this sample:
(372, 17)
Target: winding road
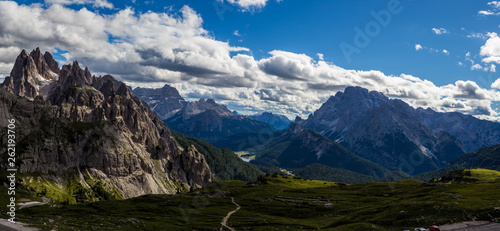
(224, 221)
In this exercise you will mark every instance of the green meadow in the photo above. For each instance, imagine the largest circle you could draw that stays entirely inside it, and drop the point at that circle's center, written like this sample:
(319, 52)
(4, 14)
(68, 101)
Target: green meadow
(277, 202)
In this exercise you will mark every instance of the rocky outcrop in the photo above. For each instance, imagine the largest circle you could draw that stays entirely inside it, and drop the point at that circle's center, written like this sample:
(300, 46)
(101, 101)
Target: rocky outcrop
(96, 128)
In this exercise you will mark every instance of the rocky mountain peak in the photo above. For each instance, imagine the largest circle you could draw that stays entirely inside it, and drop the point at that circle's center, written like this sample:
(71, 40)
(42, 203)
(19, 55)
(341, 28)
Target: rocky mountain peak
(166, 101)
(278, 121)
(197, 107)
(382, 130)
(31, 72)
(72, 75)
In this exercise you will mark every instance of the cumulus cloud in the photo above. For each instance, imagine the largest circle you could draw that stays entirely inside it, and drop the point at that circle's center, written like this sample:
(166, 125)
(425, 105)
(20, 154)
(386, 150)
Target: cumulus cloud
(445, 52)
(248, 5)
(496, 84)
(491, 49)
(418, 47)
(93, 3)
(150, 49)
(440, 31)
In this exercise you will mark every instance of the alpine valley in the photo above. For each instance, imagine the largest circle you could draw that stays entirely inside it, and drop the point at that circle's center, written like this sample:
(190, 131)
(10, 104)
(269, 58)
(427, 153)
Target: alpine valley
(148, 159)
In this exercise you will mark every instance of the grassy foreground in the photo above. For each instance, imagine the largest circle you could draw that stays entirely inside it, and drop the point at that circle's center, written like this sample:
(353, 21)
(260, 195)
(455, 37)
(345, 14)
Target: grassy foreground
(286, 203)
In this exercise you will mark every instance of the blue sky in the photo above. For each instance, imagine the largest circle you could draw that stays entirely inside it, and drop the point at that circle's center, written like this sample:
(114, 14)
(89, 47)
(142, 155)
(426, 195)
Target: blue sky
(262, 53)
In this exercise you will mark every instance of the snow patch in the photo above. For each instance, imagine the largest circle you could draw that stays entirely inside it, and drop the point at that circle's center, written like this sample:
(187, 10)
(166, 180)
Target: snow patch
(319, 154)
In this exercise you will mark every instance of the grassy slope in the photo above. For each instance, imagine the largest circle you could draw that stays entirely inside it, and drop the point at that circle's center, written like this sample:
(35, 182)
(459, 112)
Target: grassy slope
(281, 203)
(488, 157)
(326, 173)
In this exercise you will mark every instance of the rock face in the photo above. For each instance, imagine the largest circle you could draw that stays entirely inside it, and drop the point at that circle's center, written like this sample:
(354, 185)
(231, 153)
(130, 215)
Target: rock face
(94, 129)
(387, 132)
(165, 101)
(280, 122)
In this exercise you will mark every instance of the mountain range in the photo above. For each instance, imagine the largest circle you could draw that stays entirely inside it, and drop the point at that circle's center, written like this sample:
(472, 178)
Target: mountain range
(395, 135)
(203, 119)
(370, 126)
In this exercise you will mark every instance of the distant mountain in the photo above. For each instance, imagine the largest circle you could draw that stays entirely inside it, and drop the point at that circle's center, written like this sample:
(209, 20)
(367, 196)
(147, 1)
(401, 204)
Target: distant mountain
(87, 138)
(211, 122)
(471, 131)
(488, 158)
(203, 119)
(165, 101)
(386, 131)
(280, 122)
(296, 148)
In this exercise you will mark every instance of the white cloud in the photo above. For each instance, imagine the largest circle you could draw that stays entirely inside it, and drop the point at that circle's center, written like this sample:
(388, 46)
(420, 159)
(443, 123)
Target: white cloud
(236, 33)
(476, 66)
(493, 68)
(460, 64)
(248, 5)
(496, 84)
(440, 31)
(494, 4)
(491, 49)
(486, 12)
(418, 47)
(320, 56)
(151, 49)
(445, 52)
(477, 35)
(93, 3)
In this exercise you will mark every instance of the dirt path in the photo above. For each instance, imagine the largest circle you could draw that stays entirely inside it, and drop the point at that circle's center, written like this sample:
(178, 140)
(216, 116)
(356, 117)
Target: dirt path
(224, 221)
(6, 225)
(34, 203)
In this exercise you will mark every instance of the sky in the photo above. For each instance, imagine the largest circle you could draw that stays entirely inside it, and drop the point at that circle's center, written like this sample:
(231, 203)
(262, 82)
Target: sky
(282, 56)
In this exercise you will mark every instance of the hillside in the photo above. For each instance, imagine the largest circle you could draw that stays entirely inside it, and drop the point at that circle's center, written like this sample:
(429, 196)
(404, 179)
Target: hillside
(223, 163)
(326, 173)
(488, 157)
(297, 148)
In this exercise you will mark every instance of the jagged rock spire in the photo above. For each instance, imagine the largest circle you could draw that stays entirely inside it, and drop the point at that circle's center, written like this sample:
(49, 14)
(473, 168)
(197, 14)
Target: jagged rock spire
(30, 72)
